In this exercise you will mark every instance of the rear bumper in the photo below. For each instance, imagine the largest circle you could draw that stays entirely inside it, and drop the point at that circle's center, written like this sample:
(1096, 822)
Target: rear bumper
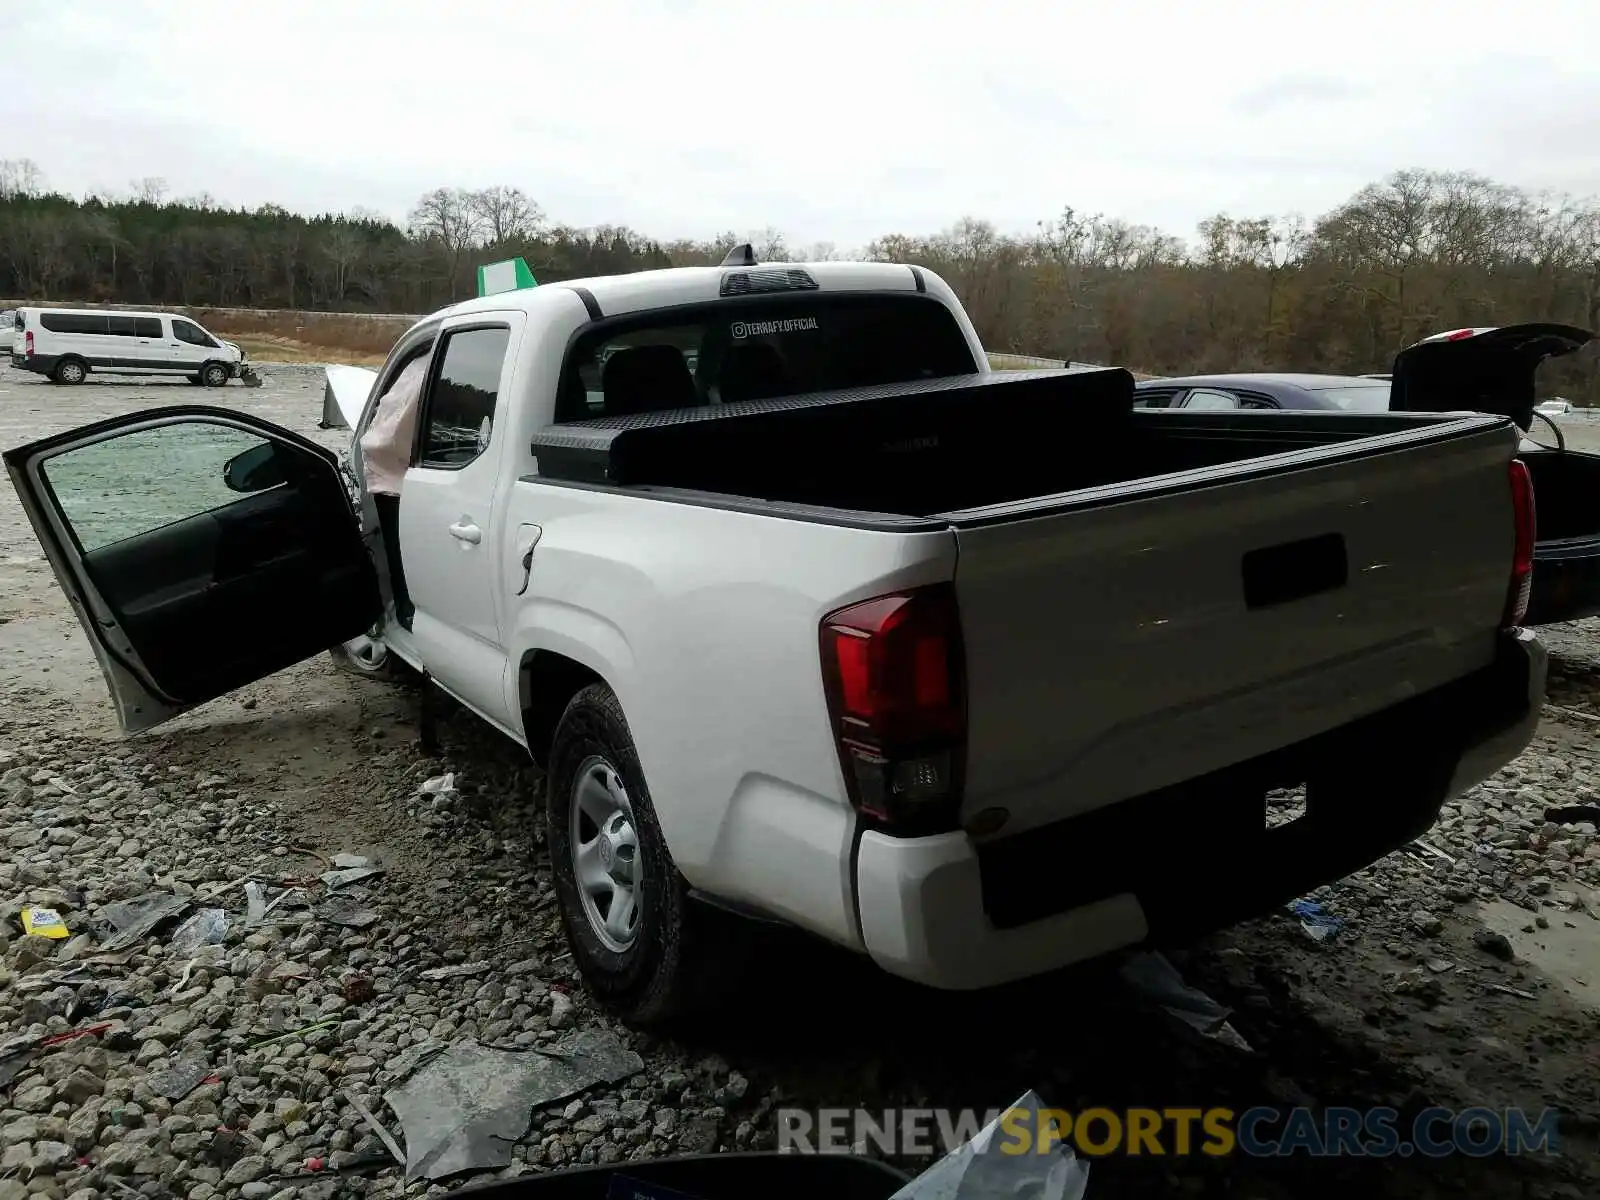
(1566, 581)
(1187, 860)
(39, 364)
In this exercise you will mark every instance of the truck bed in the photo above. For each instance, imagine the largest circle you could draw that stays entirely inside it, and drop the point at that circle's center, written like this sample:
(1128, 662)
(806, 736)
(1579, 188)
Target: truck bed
(932, 451)
(1146, 597)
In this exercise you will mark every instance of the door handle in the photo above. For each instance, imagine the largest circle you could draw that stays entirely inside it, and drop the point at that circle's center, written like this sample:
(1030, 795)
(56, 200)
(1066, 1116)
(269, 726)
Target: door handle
(465, 531)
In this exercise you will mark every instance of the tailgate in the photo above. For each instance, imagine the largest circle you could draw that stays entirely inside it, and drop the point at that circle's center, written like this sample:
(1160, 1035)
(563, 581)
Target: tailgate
(1117, 644)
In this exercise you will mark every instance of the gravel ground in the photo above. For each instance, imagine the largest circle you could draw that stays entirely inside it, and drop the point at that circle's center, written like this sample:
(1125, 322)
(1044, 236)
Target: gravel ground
(1465, 976)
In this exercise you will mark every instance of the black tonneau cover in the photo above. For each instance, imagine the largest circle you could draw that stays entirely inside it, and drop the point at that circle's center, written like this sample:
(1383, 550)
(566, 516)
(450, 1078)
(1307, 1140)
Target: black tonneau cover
(725, 447)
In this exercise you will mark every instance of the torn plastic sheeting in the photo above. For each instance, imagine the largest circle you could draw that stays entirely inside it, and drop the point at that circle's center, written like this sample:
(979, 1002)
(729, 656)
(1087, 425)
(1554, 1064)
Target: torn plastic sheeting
(258, 908)
(206, 928)
(466, 1108)
(339, 879)
(134, 919)
(990, 1168)
(255, 904)
(1157, 980)
(1319, 924)
(179, 1077)
(13, 1060)
(458, 971)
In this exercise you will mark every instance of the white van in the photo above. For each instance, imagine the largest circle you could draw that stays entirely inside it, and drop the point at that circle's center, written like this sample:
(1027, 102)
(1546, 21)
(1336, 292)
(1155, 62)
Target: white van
(66, 344)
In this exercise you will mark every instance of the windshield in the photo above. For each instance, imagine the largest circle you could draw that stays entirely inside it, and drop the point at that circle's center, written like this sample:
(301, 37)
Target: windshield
(1373, 397)
(756, 349)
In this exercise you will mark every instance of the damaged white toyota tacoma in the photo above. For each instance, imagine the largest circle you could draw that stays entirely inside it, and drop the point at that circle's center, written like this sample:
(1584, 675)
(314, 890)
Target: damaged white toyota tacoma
(810, 616)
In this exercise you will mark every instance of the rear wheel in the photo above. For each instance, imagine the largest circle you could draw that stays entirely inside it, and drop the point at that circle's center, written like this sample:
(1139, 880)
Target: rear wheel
(636, 935)
(71, 371)
(214, 374)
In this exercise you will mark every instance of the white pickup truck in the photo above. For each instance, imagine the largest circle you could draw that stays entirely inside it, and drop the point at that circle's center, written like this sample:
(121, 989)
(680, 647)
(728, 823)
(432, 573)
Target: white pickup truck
(977, 673)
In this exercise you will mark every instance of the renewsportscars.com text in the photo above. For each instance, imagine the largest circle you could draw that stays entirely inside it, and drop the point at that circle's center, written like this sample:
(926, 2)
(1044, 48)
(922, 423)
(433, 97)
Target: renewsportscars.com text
(1261, 1132)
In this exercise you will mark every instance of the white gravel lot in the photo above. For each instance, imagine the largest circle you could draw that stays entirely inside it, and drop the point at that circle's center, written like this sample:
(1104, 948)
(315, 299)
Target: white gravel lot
(1406, 1006)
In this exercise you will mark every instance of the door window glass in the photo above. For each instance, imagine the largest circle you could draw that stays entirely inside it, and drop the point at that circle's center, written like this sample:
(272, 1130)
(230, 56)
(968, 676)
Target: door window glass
(459, 412)
(188, 331)
(146, 480)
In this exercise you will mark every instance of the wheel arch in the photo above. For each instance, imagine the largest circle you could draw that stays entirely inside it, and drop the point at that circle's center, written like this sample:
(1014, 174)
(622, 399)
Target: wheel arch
(547, 680)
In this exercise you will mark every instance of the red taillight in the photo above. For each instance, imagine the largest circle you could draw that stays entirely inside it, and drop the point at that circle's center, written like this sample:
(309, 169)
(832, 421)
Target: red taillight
(27, 343)
(1458, 335)
(1523, 515)
(894, 672)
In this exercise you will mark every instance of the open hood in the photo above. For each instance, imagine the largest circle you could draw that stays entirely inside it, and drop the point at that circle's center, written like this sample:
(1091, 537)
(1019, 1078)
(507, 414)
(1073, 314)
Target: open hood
(1480, 370)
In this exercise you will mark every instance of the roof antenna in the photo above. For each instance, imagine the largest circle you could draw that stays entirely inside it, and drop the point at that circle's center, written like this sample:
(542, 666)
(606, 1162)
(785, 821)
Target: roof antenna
(742, 255)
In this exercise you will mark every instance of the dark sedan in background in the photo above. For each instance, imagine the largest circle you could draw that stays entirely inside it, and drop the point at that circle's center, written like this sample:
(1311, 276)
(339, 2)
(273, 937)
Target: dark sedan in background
(1473, 370)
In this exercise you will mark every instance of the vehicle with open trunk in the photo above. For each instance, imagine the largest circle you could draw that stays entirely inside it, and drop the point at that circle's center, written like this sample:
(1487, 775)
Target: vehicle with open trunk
(809, 616)
(1485, 370)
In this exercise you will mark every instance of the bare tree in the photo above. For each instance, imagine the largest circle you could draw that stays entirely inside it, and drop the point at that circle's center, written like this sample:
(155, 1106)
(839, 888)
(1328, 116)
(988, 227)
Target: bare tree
(20, 177)
(342, 247)
(505, 214)
(770, 245)
(150, 190)
(446, 216)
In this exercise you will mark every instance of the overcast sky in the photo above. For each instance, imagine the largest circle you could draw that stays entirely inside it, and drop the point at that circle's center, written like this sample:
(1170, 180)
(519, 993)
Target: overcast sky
(829, 119)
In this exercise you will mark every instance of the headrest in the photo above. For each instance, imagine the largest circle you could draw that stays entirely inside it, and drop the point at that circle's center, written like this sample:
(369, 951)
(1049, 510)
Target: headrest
(644, 379)
(752, 371)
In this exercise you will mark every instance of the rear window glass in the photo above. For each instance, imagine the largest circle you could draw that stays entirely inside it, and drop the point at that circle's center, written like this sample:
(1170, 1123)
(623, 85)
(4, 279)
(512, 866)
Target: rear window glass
(756, 350)
(1358, 398)
(59, 322)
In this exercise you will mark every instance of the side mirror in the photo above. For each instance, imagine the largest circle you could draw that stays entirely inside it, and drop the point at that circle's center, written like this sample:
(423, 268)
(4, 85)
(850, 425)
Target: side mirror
(255, 470)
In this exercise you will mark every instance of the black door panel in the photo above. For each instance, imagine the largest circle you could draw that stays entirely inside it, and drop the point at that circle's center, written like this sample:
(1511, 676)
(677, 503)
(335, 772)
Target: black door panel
(218, 600)
(252, 582)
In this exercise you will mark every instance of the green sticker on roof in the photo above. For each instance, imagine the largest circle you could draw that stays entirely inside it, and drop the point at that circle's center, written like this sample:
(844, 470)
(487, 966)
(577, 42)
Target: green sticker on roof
(511, 275)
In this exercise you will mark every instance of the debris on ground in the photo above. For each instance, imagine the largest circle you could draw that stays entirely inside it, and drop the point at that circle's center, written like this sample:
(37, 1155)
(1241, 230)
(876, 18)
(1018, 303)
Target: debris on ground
(1155, 980)
(179, 1077)
(989, 1165)
(206, 928)
(376, 1126)
(131, 921)
(466, 1108)
(44, 922)
(339, 879)
(1318, 924)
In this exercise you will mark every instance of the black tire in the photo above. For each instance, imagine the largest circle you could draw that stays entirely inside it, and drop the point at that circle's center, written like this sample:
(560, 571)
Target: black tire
(193, 380)
(70, 371)
(667, 970)
(215, 374)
